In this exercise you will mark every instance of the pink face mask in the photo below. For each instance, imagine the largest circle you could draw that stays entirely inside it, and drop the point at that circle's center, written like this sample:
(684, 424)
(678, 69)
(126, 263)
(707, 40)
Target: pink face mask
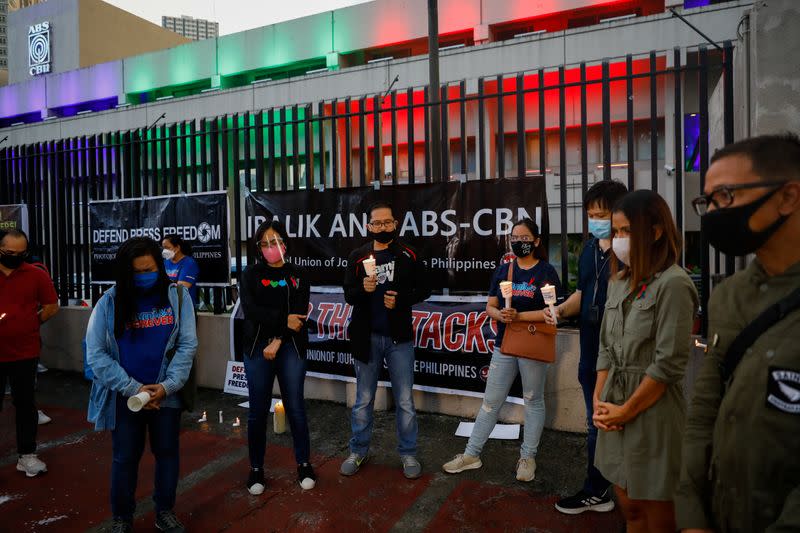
(274, 254)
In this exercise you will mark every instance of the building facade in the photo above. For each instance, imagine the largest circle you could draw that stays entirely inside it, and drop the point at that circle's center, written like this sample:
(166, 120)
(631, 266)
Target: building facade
(191, 28)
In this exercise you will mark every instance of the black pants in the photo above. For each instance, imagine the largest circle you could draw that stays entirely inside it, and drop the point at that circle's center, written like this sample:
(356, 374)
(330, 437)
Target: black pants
(22, 377)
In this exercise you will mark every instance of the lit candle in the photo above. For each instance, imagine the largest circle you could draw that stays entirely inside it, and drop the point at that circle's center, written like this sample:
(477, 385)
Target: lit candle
(220, 417)
(699, 344)
(507, 290)
(279, 418)
(369, 266)
(203, 418)
(2, 316)
(549, 295)
(237, 423)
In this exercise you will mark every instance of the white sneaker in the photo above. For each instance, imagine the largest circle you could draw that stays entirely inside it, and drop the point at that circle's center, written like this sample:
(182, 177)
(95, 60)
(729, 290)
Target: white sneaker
(41, 369)
(43, 418)
(462, 462)
(31, 465)
(526, 469)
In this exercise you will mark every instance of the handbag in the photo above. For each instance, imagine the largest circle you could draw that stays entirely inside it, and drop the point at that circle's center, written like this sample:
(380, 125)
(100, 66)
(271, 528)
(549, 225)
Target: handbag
(529, 339)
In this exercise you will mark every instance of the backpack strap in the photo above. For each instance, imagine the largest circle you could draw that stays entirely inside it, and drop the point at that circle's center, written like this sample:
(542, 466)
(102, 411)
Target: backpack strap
(750, 334)
(171, 352)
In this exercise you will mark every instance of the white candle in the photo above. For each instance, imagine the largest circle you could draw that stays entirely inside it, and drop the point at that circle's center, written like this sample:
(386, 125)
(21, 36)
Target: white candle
(369, 267)
(279, 418)
(203, 418)
(506, 289)
(237, 423)
(549, 295)
(220, 417)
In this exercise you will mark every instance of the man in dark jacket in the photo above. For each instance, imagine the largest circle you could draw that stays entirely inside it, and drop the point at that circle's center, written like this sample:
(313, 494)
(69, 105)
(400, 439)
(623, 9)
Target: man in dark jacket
(381, 330)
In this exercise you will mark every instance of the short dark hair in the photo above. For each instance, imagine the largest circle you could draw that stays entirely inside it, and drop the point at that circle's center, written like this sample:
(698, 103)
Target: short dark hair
(380, 205)
(17, 233)
(773, 157)
(604, 193)
(176, 240)
(539, 252)
(277, 227)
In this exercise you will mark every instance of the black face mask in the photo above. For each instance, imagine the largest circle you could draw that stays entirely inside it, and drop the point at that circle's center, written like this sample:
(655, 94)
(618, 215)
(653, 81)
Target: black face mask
(11, 262)
(383, 237)
(729, 232)
(522, 249)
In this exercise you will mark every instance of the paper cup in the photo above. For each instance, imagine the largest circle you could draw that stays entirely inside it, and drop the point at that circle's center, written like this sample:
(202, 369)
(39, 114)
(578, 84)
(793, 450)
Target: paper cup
(370, 267)
(135, 403)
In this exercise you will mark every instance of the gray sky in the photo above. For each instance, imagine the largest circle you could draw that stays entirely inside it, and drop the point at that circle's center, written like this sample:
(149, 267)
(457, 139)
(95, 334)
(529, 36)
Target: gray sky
(233, 15)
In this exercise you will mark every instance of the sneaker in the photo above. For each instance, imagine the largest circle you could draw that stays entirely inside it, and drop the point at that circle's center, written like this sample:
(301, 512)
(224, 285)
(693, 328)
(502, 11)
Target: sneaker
(526, 469)
(462, 462)
(255, 482)
(43, 418)
(31, 465)
(351, 465)
(411, 467)
(306, 476)
(121, 526)
(40, 368)
(583, 501)
(167, 521)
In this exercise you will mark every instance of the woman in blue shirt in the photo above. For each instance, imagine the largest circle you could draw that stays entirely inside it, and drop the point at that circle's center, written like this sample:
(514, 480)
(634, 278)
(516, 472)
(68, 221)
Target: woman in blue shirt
(180, 265)
(531, 273)
(141, 338)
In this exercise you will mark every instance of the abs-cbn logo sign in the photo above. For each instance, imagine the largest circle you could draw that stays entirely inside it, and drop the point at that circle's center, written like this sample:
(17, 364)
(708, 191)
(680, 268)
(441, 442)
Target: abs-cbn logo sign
(39, 48)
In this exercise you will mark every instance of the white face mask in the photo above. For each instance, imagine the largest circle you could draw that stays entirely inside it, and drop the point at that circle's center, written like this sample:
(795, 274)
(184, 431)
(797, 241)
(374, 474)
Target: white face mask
(622, 249)
(167, 254)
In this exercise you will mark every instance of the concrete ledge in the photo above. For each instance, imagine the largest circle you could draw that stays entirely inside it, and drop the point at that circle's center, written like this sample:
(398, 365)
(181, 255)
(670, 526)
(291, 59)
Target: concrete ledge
(61, 348)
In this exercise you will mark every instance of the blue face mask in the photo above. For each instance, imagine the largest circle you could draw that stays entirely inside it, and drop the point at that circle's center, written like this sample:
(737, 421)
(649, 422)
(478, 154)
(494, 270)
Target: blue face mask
(600, 228)
(145, 280)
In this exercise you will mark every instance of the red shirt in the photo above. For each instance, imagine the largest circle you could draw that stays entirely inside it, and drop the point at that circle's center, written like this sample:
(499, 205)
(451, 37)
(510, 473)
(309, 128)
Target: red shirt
(21, 294)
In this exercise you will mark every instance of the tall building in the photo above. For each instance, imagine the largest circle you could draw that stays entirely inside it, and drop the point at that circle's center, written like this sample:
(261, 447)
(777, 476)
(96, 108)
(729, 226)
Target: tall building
(192, 28)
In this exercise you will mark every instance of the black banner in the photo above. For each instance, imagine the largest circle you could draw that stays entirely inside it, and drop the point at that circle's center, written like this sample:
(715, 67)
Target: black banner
(14, 216)
(461, 227)
(200, 219)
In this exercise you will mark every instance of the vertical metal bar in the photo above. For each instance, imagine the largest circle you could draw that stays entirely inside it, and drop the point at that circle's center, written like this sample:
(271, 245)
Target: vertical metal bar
(308, 136)
(501, 134)
(462, 112)
(445, 131)
(678, 118)
(653, 124)
(629, 122)
(284, 160)
(427, 144)
(192, 147)
(705, 262)
(180, 141)
(562, 160)
(152, 189)
(59, 190)
(295, 147)
(260, 151)
(271, 147)
(205, 184)
(728, 118)
(224, 155)
(91, 179)
(606, 122)
(69, 210)
(362, 141)
(173, 159)
(584, 152)
(216, 178)
(394, 136)
(542, 125)
(481, 159)
(520, 98)
(377, 148)
(164, 184)
(248, 182)
(335, 143)
(348, 145)
(410, 137)
(237, 200)
(323, 171)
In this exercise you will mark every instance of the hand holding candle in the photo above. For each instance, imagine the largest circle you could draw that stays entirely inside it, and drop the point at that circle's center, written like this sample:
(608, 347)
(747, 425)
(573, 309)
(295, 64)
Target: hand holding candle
(549, 295)
(279, 418)
(506, 289)
(370, 267)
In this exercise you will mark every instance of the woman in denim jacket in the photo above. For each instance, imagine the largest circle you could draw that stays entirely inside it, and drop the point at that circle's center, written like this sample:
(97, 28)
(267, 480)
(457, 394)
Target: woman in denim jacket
(137, 342)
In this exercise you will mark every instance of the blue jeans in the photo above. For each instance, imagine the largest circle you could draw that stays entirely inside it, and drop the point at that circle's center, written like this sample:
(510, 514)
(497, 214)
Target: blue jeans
(127, 440)
(290, 369)
(595, 483)
(400, 360)
(502, 373)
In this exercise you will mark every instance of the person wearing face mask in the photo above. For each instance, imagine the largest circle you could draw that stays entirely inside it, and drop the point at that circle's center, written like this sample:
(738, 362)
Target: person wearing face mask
(741, 450)
(531, 272)
(588, 302)
(274, 297)
(645, 339)
(381, 330)
(27, 300)
(180, 265)
(141, 337)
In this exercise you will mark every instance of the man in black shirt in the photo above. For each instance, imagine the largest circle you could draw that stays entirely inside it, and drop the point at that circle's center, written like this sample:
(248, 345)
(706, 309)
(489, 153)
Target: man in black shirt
(381, 330)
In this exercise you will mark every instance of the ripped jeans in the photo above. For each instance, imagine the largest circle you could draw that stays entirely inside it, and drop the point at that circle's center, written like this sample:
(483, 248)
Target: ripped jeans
(502, 372)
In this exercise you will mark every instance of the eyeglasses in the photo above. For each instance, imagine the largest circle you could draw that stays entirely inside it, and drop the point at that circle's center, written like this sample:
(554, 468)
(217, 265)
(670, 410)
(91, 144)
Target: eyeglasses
(521, 238)
(722, 196)
(270, 244)
(379, 224)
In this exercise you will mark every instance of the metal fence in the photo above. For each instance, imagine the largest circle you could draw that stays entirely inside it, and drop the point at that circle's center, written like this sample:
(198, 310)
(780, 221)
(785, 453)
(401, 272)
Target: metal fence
(509, 125)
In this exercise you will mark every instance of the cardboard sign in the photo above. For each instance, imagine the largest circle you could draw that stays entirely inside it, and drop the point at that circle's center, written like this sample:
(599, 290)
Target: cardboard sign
(235, 379)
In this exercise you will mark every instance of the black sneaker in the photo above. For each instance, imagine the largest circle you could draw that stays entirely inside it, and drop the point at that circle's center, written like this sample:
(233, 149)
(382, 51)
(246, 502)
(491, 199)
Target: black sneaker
(306, 476)
(121, 526)
(583, 501)
(167, 521)
(255, 482)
